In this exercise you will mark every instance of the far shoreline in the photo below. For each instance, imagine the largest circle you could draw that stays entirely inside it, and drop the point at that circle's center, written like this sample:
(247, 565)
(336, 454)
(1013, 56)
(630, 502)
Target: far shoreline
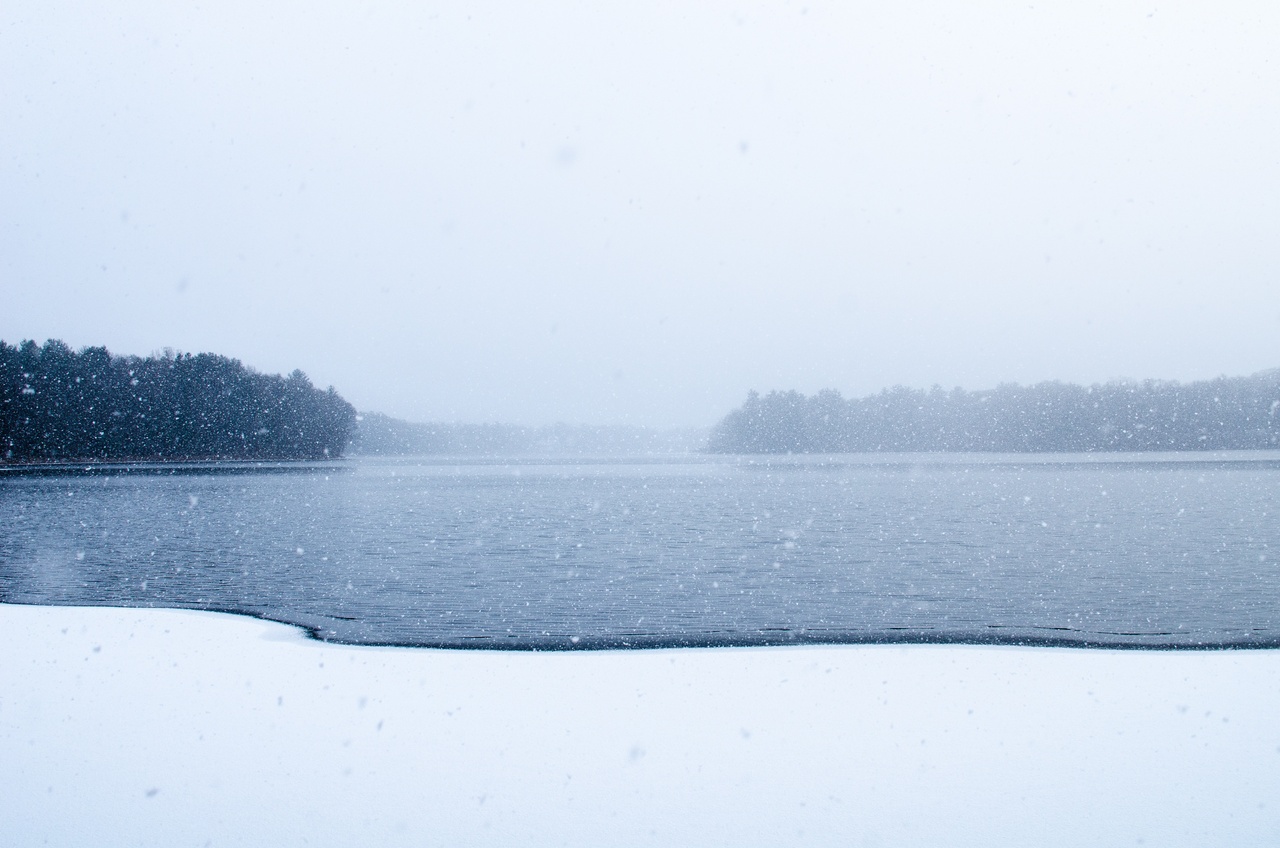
(156, 466)
(85, 467)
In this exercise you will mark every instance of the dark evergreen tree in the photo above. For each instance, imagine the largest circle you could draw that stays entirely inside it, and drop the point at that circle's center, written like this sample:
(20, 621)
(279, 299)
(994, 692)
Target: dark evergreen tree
(1240, 413)
(59, 405)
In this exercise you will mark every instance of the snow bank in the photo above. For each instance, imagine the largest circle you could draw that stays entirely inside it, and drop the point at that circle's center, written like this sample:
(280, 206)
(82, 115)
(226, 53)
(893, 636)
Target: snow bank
(165, 728)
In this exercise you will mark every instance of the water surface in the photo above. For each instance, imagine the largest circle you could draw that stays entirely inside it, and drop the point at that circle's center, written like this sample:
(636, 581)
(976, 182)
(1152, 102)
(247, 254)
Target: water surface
(1120, 550)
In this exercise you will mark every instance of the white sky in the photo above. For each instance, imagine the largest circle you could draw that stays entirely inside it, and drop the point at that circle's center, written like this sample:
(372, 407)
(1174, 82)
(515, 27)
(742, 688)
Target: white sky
(584, 212)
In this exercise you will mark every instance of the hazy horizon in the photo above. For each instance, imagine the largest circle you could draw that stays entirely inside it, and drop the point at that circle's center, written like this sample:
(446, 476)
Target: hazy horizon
(531, 215)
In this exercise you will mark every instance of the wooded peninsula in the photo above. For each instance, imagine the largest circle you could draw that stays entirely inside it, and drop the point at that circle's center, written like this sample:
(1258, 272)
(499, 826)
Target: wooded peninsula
(1240, 413)
(59, 405)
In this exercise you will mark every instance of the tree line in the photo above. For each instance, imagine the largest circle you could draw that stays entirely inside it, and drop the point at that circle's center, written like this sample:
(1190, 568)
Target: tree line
(1240, 413)
(57, 404)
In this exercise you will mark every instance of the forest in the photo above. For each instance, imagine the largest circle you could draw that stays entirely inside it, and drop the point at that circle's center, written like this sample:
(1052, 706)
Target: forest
(1237, 413)
(59, 405)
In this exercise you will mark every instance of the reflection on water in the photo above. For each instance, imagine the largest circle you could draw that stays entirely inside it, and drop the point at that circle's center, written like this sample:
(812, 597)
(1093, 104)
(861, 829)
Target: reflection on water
(1169, 551)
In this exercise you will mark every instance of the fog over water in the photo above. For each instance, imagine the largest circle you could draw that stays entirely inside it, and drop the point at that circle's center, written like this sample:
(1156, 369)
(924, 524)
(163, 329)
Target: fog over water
(505, 212)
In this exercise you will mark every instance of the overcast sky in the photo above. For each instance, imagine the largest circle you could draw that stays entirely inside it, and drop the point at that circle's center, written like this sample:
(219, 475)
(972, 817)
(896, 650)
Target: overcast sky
(609, 213)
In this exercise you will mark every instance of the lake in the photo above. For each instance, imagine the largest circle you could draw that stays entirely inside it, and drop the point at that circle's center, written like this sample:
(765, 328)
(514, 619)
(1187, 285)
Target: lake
(1163, 551)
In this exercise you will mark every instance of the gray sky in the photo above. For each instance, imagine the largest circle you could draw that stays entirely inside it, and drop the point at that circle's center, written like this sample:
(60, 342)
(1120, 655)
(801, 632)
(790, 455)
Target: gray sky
(594, 213)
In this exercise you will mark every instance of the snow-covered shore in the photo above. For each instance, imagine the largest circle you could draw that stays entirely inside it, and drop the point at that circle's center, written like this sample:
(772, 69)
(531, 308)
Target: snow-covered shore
(168, 728)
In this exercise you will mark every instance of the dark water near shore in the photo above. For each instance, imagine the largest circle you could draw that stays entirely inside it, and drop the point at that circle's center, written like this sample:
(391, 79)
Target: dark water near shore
(1153, 551)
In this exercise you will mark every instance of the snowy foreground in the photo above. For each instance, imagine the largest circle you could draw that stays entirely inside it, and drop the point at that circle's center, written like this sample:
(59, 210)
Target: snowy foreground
(164, 728)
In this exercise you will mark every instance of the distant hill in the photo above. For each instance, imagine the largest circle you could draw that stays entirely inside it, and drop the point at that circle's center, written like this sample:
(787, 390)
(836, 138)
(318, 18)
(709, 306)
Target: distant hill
(60, 405)
(380, 435)
(1228, 413)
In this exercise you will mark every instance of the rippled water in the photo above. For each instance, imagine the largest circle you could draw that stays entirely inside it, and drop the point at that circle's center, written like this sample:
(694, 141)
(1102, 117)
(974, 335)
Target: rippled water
(1169, 551)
